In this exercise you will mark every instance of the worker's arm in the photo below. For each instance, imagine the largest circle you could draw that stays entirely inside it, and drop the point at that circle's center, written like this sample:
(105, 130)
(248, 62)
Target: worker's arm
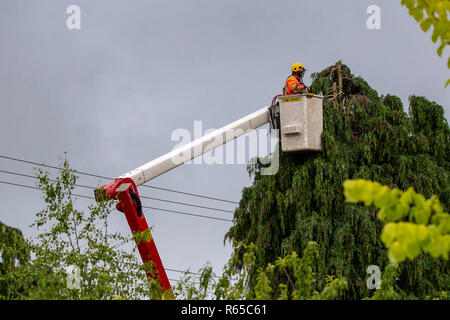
(306, 87)
(295, 86)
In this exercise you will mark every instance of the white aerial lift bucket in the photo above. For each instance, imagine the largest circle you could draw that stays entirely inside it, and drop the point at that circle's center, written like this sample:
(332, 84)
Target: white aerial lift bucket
(301, 122)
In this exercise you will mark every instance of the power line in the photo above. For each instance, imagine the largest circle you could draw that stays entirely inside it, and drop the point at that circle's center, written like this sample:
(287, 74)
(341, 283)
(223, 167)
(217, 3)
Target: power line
(147, 207)
(141, 196)
(190, 194)
(167, 269)
(108, 178)
(179, 271)
(193, 282)
(188, 272)
(113, 246)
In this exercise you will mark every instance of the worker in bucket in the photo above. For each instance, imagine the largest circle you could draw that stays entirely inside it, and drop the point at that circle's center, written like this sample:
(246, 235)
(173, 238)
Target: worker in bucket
(294, 83)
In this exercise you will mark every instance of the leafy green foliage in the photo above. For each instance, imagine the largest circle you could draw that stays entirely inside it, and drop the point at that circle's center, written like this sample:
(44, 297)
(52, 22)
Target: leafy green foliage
(145, 236)
(301, 278)
(432, 13)
(365, 137)
(14, 252)
(429, 226)
(187, 288)
(234, 283)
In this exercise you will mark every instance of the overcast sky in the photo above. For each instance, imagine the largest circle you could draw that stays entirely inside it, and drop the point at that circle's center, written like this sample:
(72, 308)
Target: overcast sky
(112, 93)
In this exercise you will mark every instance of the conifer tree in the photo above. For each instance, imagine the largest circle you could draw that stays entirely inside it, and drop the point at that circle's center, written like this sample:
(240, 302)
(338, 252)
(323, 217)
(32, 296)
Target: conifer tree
(366, 136)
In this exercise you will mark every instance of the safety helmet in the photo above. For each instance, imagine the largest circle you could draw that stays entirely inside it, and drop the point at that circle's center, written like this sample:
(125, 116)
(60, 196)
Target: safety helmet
(296, 67)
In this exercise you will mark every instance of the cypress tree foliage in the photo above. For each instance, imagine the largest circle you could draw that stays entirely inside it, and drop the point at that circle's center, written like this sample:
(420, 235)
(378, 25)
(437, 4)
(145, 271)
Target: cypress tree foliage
(366, 136)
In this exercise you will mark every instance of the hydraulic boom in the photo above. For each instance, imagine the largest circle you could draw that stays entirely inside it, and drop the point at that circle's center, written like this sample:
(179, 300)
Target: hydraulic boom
(299, 118)
(125, 190)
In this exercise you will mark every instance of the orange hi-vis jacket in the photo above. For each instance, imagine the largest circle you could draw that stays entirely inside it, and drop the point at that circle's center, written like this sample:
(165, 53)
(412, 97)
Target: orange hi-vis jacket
(293, 85)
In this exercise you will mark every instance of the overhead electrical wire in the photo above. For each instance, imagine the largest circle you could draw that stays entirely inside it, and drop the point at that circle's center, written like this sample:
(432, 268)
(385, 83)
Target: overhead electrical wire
(167, 269)
(147, 207)
(141, 196)
(108, 178)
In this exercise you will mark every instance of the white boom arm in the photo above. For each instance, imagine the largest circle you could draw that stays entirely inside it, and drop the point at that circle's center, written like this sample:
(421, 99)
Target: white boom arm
(198, 147)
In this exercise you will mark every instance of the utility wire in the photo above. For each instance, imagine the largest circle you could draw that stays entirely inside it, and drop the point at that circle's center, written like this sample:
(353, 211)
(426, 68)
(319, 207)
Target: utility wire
(144, 197)
(179, 271)
(167, 269)
(147, 207)
(108, 178)
(187, 272)
(193, 282)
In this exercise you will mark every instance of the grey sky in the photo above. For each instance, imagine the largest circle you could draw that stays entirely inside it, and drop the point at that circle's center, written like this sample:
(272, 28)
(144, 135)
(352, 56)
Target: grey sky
(112, 93)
